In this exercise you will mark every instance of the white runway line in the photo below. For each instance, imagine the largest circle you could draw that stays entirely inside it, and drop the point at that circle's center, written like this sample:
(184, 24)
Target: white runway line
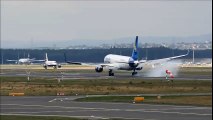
(52, 100)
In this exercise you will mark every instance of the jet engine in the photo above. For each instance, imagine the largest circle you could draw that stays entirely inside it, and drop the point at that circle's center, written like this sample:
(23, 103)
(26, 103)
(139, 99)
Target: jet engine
(98, 68)
(59, 65)
(45, 66)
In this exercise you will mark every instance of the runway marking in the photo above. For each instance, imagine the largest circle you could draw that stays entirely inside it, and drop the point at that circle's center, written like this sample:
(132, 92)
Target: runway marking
(92, 117)
(57, 116)
(105, 109)
(52, 100)
(21, 74)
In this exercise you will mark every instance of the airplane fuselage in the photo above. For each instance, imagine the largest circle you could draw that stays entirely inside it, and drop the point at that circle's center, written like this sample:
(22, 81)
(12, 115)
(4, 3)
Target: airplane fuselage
(24, 61)
(120, 62)
(51, 63)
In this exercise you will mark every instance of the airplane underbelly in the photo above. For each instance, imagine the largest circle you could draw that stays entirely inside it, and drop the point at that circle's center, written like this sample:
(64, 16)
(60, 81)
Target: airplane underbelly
(124, 67)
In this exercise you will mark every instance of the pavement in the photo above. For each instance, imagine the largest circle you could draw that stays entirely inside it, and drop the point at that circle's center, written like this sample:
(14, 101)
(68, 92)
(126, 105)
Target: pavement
(66, 107)
(93, 75)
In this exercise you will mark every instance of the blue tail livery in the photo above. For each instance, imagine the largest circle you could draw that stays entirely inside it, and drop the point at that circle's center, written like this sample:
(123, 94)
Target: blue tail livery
(135, 51)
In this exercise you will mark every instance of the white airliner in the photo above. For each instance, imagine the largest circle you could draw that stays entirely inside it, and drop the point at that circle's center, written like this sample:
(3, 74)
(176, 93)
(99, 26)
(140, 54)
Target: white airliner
(48, 63)
(114, 62)
(26, 61)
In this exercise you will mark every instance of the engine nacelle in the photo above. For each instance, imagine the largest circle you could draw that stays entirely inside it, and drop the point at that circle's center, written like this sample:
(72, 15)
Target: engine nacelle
(59, 65)
(45, 66)
(99, 69)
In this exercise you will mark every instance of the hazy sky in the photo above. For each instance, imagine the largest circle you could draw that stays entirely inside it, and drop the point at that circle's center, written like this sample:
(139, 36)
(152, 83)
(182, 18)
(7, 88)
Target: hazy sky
(39, 21)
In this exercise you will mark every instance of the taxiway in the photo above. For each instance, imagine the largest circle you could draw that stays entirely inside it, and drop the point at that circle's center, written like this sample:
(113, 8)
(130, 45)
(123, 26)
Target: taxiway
(65, 106)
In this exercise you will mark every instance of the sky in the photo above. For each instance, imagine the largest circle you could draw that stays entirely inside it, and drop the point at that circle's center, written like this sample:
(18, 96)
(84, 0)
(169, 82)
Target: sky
(35, 22)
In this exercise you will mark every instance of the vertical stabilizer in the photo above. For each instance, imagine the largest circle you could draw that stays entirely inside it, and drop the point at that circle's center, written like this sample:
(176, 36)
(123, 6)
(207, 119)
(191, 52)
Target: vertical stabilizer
(135, 50)
(46, 58)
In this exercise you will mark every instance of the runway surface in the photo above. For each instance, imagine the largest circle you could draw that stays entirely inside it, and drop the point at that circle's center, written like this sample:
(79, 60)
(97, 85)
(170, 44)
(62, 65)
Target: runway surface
(94, 75)
(65, 106)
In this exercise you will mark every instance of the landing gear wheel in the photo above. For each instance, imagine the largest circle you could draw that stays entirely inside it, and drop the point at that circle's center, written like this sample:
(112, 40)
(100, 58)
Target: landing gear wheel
(111, 73)
(45, 67)
(134, 73)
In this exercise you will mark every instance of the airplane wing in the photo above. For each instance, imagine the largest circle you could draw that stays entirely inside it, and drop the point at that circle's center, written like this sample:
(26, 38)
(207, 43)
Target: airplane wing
(159, 61)
(96, 65)
(90, 64)
(74, 63)
(37, 60)
(12, 60)
(108, 66)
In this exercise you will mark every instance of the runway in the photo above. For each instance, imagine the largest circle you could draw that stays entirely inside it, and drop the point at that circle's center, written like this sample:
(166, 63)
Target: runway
(65, 106)
(93, 75)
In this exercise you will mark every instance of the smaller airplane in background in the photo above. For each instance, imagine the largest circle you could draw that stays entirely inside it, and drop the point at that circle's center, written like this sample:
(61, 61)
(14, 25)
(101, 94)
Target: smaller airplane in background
(48, 63)
(26, 61)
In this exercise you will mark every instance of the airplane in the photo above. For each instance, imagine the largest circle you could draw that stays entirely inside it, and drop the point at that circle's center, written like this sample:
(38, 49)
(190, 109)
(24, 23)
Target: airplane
(26, 61)
(130, 63)
(48, 63)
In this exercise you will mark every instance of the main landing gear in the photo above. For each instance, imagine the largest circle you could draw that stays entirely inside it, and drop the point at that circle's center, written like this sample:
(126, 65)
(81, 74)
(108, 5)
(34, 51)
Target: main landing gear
(111, 73)
(134, 73)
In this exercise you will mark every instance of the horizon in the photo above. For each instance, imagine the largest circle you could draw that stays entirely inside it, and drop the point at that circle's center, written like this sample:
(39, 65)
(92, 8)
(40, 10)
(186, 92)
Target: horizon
(34, 23)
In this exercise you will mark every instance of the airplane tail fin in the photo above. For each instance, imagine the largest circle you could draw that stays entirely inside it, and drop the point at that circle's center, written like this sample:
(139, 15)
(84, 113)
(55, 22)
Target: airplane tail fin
(135, 51)
(46, 58)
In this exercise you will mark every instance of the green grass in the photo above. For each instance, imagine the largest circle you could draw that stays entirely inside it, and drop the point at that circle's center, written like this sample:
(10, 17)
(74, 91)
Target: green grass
(195, 71)
(173, 100)
(17, 117)
(50, 86)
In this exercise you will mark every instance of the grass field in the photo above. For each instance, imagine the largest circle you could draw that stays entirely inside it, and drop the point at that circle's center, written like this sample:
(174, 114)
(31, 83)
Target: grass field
(172, 100)
(48, 86)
